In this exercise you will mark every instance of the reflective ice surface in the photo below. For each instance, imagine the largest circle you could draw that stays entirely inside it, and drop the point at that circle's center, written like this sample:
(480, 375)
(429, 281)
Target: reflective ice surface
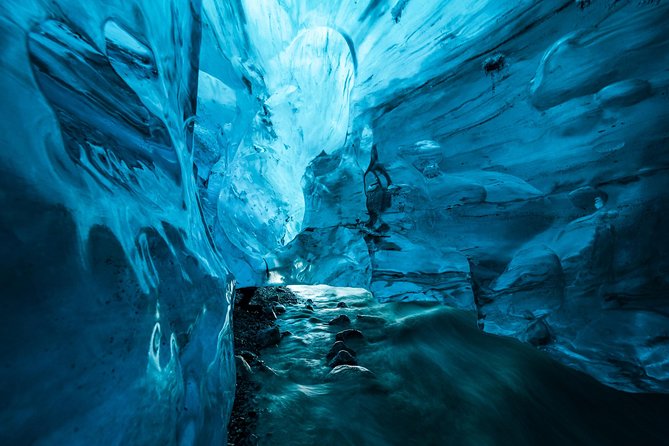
(115, 319)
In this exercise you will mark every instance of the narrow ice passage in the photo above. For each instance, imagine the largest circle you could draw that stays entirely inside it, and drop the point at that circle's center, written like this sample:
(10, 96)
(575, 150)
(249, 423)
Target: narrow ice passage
(501, 168)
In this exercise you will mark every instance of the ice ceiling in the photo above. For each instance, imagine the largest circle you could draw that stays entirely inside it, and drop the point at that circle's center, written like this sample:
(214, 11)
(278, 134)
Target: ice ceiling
(505, 157)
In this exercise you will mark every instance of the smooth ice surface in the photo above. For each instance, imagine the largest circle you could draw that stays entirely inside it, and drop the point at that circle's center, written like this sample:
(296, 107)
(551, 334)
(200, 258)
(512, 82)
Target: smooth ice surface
(115, 311)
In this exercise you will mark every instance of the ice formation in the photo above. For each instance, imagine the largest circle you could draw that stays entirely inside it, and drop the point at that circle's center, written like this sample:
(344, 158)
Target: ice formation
(515, 166)
(504, 157)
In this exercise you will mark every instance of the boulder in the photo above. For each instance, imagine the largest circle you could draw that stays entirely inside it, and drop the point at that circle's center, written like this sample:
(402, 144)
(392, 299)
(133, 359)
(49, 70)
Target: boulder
(279, 309)
(343, 358)
(338, 347)
(268, 337)
(346, 372)
(349, 334)
(243, 368)
(342, 319)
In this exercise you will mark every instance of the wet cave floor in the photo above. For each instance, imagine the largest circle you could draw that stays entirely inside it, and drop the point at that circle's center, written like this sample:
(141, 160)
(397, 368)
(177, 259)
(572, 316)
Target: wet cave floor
(331, 366)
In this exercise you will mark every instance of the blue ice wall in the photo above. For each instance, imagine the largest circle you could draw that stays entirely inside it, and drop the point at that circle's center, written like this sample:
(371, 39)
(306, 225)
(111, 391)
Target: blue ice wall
(116, 305)
(505, 157)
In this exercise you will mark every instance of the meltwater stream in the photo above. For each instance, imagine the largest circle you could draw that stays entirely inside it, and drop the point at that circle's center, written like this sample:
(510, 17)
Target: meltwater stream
(437, 380)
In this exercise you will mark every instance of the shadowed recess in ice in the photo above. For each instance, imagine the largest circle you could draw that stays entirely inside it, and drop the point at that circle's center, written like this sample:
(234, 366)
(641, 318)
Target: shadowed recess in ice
(503, 157)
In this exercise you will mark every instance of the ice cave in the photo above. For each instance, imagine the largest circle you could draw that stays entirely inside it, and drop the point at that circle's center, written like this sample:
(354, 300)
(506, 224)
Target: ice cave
(334, 222)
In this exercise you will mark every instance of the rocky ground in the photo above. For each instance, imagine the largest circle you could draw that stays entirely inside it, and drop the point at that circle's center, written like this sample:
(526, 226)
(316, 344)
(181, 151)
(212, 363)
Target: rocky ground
(254, 327)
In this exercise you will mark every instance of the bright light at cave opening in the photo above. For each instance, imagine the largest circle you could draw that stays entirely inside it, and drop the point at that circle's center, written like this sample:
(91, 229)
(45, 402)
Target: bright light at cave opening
(275, 278)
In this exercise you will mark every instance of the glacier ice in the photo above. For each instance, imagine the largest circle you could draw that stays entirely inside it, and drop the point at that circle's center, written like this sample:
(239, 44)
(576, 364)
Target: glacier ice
(492, 164)
(503, 157)
(115, 321)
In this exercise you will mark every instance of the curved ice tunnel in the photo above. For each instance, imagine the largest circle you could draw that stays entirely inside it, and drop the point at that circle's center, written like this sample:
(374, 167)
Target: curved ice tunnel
(354, 144)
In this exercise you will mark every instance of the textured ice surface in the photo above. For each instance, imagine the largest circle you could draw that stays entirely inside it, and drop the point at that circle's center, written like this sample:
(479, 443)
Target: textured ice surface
(504, 156)
(508, 157)
(115, 317)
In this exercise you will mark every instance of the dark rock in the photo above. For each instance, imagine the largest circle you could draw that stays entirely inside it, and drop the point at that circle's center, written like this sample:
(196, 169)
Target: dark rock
(280, 295)
(243, 367)
(343, 358)
(268, 337)
(342, 305)
(310, 302)
(246, 294)
(285, 295)
(279, 309)
(309, 307)
(374, 320)
(349, 334)
(342, 319)
(285, 334)
(264, 368)
(254, 308)
(338, 347)
(269, 313)
(343, 372)
(253, 329)
(250, 357)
